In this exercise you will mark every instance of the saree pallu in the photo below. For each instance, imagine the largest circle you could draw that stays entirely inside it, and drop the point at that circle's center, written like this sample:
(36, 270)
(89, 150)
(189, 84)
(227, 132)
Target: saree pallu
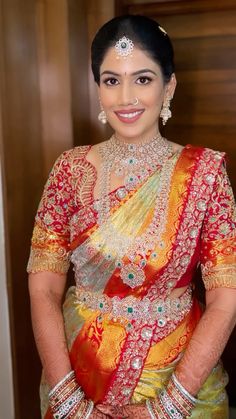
(150, 245)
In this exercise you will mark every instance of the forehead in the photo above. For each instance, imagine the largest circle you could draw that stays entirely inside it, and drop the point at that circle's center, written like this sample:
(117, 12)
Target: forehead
(137, 60)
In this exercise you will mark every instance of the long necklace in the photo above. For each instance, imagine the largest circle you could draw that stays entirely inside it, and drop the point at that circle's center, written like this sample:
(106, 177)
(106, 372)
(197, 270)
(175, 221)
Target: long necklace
(135, 162)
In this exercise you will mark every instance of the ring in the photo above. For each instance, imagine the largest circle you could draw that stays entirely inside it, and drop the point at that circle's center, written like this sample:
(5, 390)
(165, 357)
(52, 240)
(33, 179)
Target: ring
(135, 102)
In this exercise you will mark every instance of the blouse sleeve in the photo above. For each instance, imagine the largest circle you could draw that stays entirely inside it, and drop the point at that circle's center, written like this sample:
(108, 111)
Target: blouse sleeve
(50, 245)
(218, 244)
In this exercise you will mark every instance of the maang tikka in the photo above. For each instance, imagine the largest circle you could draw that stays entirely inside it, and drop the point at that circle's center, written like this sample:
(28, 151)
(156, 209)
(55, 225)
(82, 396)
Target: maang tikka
(124, 47)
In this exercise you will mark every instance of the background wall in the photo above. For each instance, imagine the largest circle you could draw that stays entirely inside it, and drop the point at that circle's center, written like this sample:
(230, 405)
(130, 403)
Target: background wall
(49, 104)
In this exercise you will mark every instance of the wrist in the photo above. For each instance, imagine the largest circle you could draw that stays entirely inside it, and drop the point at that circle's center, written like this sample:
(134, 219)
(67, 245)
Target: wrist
(174, 401)
(67, 401)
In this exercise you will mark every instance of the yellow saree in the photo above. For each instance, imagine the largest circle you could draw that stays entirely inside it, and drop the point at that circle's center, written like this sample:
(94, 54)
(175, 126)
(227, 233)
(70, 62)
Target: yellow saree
(124, 332)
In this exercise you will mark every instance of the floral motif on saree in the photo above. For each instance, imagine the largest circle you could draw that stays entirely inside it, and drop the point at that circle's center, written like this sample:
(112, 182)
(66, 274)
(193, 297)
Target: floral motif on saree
(195, 223)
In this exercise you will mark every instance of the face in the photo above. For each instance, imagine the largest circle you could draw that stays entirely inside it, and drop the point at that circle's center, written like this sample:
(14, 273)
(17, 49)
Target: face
(123, 80)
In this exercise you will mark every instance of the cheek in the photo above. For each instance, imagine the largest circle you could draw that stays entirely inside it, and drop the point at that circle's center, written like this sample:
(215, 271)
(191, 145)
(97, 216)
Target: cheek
(107, 97)
(153, 98)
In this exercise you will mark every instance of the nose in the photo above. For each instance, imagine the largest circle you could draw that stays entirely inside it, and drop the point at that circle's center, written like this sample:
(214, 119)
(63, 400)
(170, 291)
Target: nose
(126, 96)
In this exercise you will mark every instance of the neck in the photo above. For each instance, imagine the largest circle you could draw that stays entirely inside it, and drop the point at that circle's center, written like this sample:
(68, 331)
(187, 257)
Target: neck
(145, 138)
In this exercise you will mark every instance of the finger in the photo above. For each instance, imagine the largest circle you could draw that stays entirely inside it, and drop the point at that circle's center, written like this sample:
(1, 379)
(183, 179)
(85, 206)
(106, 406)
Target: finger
(104, 409)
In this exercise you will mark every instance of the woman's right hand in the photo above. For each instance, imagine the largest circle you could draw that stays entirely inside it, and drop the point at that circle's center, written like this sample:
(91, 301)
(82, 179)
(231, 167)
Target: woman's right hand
(96, 414)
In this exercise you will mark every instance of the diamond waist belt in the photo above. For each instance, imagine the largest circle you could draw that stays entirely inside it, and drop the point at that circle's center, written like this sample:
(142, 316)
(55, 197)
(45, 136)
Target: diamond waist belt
(163, 312)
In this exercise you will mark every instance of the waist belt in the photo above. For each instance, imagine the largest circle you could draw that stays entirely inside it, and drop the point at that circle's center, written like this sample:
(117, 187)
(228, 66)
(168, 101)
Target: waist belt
(162, 312)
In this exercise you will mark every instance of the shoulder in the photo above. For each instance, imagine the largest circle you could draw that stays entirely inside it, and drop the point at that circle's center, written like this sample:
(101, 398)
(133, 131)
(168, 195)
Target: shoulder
(205, 154)
(69, 159)
(78, 152)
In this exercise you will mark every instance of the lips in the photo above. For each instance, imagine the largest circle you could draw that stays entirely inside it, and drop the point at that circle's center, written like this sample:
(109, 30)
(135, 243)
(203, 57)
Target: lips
(129, 116)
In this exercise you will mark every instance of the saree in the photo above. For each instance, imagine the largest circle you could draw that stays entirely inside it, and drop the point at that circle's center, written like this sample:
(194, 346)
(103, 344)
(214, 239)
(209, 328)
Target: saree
(125, 332)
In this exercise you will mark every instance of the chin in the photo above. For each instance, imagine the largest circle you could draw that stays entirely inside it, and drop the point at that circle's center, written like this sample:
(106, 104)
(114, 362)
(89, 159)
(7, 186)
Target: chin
(128, 132)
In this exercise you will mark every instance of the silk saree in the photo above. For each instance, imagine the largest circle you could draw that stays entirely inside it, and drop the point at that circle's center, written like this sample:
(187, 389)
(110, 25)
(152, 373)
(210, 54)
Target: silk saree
(125, 333)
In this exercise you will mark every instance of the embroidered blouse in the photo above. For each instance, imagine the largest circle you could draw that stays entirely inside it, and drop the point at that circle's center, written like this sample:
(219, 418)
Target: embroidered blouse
(67, 206)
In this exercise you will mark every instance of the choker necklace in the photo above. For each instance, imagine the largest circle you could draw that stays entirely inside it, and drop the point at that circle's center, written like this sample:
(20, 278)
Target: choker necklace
(133, 162)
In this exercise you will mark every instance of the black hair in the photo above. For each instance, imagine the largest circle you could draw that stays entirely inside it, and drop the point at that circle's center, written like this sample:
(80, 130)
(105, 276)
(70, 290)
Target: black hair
(146, 34)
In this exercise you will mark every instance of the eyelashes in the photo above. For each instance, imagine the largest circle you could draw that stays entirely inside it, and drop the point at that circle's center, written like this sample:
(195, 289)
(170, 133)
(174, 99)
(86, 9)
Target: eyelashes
(112, 81)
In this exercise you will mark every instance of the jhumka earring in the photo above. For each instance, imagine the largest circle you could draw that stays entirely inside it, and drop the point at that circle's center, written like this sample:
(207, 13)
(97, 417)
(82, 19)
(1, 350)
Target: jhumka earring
(166, 112)
(102, 117)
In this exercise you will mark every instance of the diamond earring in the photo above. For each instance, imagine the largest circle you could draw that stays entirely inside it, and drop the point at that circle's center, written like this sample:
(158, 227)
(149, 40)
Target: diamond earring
(166, 112)
(102, 117)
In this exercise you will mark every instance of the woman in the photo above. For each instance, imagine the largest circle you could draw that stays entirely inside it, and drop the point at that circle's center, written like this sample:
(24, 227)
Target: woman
(136, 215)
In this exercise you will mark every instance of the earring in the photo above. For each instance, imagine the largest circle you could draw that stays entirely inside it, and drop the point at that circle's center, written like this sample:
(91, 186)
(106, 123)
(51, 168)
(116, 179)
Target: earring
(166, 112)
(102, 117)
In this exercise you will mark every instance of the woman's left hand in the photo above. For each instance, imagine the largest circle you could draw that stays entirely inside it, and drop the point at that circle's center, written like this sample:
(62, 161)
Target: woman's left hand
(137, 411)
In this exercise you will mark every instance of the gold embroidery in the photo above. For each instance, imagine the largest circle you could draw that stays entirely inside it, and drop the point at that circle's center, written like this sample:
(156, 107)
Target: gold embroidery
(218, 260)
(49, 252)
(69, 186)
(221, 276)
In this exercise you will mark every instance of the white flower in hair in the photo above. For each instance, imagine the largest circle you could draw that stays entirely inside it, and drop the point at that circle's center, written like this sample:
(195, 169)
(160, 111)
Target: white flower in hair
(162, 29)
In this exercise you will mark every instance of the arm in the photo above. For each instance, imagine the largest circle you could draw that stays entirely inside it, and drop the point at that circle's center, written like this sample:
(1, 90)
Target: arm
(219, 276)
(208, 340)
(46, 292)
(47, 267)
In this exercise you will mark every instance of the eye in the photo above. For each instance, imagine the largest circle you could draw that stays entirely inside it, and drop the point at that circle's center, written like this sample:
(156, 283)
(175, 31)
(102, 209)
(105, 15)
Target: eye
(143, 80)
(111, 81)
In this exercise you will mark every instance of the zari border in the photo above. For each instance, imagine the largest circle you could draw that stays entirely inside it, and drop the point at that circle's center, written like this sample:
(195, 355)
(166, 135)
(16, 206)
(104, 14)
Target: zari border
(191, 223)
(136, 349)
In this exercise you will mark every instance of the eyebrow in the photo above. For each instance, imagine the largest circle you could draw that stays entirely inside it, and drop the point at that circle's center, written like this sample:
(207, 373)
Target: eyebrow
(135, 73)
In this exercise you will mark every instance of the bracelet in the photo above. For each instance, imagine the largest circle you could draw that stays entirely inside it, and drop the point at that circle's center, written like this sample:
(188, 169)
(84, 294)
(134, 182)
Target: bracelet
(66, 397)
(150, 409)
(183, 390)
(174, 402)
(85, 409)
(154, 409)
(64, 380)
(168, 406)
(68, 408)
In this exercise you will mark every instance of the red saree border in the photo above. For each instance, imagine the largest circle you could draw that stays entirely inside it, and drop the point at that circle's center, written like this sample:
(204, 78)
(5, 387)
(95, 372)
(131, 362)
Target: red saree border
(179, 191)
(185, 245)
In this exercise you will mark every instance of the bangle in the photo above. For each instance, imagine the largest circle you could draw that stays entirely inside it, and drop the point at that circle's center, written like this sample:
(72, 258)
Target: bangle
(66, 397)
(69, 406)
(183, 390)
(154, 409)
(64, 380)
(85, 409)
(174, 402)
(150, 409)
(169, 407)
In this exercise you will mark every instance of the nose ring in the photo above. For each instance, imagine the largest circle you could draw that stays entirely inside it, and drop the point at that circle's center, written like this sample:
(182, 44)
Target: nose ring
(135, 101)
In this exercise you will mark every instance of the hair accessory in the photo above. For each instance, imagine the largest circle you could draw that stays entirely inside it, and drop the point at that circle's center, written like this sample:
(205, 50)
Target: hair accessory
(162, 29)
(124, 47)
(166, 113)
(135, 101)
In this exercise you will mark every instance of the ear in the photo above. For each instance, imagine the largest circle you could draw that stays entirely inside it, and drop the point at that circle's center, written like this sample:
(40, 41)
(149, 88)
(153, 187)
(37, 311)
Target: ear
(170, 87)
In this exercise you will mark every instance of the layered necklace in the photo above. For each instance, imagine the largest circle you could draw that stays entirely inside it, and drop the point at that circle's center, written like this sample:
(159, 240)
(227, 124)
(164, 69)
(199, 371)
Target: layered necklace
(135, 163)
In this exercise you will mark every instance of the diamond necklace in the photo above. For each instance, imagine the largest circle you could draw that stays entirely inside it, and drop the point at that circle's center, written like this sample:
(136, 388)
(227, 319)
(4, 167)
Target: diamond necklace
(134, 162)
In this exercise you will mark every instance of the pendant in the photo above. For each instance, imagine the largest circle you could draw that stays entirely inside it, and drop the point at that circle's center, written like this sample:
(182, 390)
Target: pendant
(132, 275)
